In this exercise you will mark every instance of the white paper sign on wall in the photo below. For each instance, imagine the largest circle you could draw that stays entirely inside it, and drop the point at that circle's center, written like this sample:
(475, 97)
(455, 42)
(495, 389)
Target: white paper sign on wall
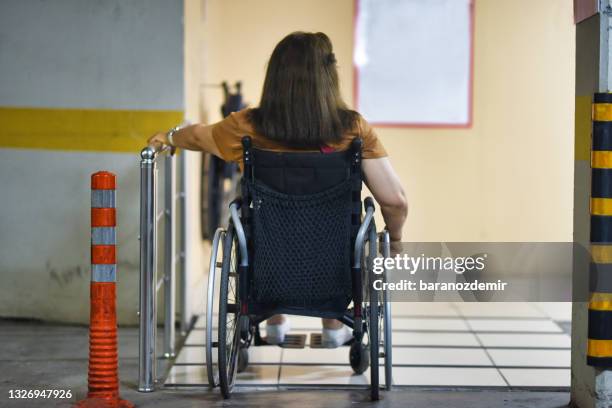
(413, 62)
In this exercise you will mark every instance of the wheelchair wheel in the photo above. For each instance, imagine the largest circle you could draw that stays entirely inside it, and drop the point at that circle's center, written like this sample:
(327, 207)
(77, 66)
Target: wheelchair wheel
(373, 327)
(214, 279)
(386, 314)
(371, 313)
(229, 315)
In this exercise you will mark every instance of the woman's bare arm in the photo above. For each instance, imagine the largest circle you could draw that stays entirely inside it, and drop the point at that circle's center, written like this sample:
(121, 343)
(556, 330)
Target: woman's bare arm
(194, 137)
(385, 185)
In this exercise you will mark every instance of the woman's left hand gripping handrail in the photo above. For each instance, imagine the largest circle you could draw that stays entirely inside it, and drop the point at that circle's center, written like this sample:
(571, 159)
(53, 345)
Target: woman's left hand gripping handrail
(244, 256)
(150, 152)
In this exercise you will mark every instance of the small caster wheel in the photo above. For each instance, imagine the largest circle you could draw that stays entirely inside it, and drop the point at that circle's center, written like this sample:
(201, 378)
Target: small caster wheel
(245, 326)
(359, 356)
(243, 359)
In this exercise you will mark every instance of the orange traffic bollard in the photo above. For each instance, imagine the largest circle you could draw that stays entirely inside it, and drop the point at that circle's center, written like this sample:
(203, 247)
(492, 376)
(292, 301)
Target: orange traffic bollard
(103, 376)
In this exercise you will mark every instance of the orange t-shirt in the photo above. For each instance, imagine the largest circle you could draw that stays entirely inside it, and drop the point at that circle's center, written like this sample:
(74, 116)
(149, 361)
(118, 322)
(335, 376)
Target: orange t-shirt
(228, 134)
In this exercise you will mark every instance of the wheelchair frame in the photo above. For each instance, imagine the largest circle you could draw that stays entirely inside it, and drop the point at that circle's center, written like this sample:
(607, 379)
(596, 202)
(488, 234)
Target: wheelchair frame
(370, 315)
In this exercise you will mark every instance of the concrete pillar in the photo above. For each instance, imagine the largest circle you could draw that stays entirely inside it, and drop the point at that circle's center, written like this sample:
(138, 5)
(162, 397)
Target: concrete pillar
(590, 387)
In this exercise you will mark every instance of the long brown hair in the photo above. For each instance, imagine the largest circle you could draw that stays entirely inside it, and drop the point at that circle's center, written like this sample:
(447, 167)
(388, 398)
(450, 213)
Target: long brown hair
(301, 104)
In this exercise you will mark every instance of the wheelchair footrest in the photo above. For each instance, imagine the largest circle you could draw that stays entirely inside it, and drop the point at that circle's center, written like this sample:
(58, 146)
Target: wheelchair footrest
(294, 341)
(316, 341)
(291, 341)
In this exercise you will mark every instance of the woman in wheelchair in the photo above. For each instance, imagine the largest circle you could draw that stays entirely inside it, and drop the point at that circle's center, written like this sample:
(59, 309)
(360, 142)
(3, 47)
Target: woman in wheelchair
(303, 144)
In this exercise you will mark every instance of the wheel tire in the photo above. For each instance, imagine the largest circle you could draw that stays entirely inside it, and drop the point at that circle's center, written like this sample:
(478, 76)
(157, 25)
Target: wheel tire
(212, 295)
(386, 317)
(229, 309)
(243, 359)
(372, 317)
(388, 347)
(359, 356)
(373, 346)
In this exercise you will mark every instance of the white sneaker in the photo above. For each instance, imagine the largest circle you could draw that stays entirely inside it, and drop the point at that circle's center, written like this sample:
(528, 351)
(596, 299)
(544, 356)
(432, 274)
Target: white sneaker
(332, 338)
(275, 333)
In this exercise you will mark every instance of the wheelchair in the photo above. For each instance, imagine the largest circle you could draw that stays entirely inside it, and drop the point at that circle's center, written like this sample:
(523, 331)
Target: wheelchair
(298, 243)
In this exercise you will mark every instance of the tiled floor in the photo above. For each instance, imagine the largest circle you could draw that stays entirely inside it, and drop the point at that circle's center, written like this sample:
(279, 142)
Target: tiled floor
(513, 345)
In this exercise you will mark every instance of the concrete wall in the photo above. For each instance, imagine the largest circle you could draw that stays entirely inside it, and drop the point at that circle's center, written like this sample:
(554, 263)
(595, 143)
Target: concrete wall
(84, 83)
(509, 177)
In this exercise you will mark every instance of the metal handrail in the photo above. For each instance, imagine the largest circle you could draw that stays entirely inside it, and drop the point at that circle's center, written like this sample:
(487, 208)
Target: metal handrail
(149, 285)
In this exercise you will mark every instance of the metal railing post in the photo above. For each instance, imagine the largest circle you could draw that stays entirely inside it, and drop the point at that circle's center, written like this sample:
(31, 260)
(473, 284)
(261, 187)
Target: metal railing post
(169, 256)
(148, 227)
(183, 241)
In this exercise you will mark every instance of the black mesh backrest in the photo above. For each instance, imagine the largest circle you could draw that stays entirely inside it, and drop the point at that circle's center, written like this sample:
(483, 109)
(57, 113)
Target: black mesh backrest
(300, 173)
(301, 222)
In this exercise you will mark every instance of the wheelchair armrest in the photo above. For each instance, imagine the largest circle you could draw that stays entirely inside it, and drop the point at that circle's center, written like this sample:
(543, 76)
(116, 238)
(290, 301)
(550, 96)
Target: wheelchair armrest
(236, 201)
(242, 244)
(369, 203)
(363, 232)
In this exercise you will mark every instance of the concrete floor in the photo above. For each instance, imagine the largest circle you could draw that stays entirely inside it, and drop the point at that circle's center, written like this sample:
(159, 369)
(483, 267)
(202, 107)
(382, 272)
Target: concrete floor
(35, 355)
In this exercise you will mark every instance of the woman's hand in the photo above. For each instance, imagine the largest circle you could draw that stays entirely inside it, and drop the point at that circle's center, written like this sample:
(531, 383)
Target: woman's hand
(159, 140)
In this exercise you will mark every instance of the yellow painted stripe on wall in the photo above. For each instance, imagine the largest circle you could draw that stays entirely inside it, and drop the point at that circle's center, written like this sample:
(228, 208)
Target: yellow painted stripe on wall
(600, 301)
(601, 159)
(582, 128)
(602, 112)
(82, 129)
(601, 206)
(601, 253)
(599, 348)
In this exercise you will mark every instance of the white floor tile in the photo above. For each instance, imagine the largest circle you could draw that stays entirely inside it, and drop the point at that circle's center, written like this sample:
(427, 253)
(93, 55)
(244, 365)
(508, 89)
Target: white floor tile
(192, 355)
(440, 356)
(434, 339)
(323, 375)
(498, 309)
(443, 376)
(407, 309)
(531, 358)
(322, 356)
(260, 354)
(201, 322)
(416, 323)
(265, 354)
(513, 325)
(525, 340)
(258, 374)
(196, 375)
(199, 337)
(560, 311)
(187, 374)
(537, 377)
